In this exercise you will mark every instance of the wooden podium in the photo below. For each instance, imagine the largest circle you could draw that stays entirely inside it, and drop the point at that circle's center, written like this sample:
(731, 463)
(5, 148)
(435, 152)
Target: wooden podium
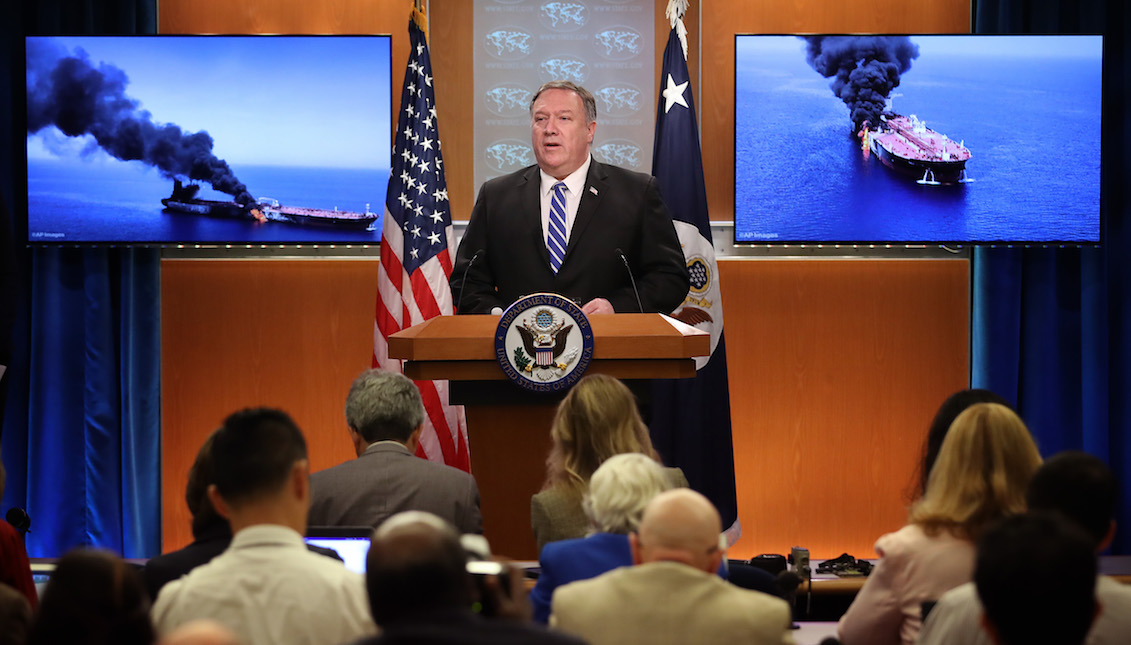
(509, 427)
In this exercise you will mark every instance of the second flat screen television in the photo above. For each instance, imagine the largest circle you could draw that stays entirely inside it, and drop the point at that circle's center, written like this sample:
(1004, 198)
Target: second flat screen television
(917, 139)
(207, 139)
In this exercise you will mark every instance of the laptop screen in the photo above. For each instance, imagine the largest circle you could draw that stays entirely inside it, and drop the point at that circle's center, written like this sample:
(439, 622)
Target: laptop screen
(349, 542)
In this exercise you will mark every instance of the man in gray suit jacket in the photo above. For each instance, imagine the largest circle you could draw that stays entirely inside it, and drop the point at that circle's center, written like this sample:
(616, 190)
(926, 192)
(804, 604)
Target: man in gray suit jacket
(385, 416)
(672, 594)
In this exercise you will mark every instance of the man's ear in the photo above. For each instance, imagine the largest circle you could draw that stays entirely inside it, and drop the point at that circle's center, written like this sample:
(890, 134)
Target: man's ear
(414, 439)
(358, 441)
(300, 479)
(989, 628)
(1108, 537)
(218, 502)
(634, 546)
(716, 561)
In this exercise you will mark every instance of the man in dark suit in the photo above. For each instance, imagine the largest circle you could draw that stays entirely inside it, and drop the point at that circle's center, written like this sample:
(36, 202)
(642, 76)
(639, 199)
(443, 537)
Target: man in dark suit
(568, 224)
(420, 591)
(385, 416)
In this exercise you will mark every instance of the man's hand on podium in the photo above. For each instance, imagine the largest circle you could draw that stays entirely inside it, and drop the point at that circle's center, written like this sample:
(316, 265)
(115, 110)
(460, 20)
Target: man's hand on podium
(597, 306)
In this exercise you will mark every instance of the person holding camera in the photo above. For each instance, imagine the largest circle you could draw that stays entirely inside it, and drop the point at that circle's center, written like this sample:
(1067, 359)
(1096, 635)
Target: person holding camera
(420, 590)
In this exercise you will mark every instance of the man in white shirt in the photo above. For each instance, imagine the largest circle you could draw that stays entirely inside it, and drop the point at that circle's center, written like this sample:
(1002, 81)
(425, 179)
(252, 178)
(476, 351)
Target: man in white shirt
(266, 587)
(1082, 488)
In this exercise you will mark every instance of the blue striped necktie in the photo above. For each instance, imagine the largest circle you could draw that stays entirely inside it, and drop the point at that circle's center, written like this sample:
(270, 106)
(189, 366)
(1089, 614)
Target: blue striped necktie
(556, 238)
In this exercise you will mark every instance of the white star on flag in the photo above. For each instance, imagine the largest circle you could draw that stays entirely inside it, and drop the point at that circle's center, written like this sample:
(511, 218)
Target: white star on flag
(674, 94)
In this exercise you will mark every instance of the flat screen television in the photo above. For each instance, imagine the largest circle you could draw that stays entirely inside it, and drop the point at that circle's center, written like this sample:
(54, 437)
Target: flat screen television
(953, 139)
(207, 139)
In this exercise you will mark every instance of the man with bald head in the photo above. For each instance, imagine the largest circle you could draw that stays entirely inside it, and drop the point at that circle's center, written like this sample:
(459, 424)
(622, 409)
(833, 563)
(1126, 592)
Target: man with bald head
(672, 594)
(420, 591)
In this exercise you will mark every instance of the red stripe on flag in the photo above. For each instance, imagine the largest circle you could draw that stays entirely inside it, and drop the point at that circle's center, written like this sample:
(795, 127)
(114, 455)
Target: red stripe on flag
(435, 410)
(422, 294)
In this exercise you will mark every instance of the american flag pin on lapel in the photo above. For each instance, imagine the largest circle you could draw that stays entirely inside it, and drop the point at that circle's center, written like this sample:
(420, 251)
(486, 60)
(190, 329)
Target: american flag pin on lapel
(593, 190)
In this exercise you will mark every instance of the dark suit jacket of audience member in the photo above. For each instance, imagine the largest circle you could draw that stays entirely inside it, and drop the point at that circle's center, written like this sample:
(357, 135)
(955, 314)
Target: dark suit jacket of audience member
(387, 479)
(556, 514)
(449, 627)
(568, 561)
(163, 569)
(170, 566)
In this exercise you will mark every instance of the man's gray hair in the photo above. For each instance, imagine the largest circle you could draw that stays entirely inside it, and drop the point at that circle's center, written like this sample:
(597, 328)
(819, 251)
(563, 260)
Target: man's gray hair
(407, 518)
(587, 99)
(384, 406)
(620, 489)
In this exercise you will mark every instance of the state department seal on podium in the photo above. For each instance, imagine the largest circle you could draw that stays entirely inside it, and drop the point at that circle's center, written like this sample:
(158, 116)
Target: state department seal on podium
(544, 342)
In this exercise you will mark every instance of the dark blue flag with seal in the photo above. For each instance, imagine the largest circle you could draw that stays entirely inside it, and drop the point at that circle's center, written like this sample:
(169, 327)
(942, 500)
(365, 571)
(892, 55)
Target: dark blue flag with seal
(690, 418)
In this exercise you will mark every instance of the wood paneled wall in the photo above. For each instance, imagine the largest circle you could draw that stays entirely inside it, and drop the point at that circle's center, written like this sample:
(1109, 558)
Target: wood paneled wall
(836, 366)
(836, 369)
(248, 333)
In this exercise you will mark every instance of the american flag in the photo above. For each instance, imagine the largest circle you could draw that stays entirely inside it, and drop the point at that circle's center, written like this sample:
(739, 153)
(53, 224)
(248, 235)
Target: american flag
(416, 250)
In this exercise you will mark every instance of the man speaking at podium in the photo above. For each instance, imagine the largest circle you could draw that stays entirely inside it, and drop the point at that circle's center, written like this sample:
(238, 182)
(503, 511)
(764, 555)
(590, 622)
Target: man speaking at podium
(569, 225)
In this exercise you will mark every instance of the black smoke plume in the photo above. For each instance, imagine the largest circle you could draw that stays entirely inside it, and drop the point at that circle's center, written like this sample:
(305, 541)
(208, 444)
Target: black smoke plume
(78, 97)
(865, 69)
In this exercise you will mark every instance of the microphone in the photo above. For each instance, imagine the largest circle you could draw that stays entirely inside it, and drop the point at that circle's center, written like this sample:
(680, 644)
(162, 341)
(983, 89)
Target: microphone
(19, 519)
(463, 282)
(631, 279)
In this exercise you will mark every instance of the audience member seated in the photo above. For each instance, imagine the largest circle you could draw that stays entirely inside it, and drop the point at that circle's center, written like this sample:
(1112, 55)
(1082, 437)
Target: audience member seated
(596, 420)
(953, 406)
(267, 587)
(1036, 578)
(618, 492)
(385, 417)
(15, 569)
(420, 591)
(984, 466)
(1083, 489)
(672, 594)
(210, 532)
(92, 598)
(15, 616)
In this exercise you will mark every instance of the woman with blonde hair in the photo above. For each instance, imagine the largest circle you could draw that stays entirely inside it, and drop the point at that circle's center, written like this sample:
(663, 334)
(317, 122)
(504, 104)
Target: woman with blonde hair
(596, 420)
(618, 492)
(983, 468)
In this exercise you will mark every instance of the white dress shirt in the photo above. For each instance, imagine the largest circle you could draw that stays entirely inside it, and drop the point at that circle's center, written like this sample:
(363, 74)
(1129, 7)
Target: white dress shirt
(575, 185)
(270, 590)
(957, 618)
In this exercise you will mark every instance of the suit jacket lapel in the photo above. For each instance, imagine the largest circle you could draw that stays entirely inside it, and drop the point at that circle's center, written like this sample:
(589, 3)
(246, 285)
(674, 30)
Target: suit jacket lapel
(531, 215)
(590, 199)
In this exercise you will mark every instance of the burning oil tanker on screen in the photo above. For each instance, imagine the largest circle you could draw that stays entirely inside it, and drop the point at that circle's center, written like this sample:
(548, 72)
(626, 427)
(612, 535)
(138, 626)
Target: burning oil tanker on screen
(865, 70)
(908, 146)
(80, 97)
(264, 210)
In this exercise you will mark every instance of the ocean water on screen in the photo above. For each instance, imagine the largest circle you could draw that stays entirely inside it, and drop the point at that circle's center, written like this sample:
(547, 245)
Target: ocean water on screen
(106, 200)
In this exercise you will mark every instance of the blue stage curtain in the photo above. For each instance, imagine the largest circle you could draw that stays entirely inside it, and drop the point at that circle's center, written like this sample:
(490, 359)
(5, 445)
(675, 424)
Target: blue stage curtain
(93, 445)
(1052, 326)
(81, 435)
